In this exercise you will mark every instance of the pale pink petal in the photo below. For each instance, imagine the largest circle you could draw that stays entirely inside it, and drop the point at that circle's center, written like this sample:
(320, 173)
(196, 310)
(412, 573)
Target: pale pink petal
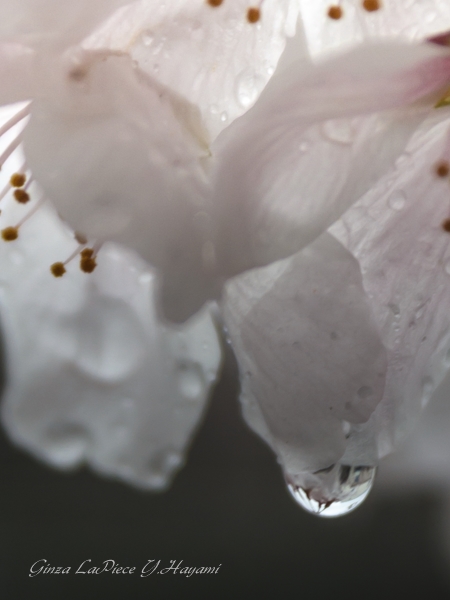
(316, 140)
(412, 20)
(396, 233)
(309, 353)
(213, 57)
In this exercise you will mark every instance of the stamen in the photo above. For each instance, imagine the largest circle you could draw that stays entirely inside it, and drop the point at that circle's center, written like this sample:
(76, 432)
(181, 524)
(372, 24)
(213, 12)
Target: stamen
(9, 234)
(446, 225)
(442, 169)
(371, 5)
(30, 213)
(21, 196)
(18, 180)
(87, 260)
(81, 239)
(214, 3)
(58, 269)
(253, 15)
(335, 12)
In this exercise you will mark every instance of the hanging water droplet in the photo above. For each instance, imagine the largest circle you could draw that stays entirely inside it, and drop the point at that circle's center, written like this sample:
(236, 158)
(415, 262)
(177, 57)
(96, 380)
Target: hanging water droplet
(224, 117)
(397, 200)
(342, 131)
(335, 492)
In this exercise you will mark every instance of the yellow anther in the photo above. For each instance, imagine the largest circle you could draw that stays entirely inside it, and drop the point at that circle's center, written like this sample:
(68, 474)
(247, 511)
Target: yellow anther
(81, 239)
(442, 169)
(21, 196)
(253, 15)
(335, 13)
(87, 261)
(9, 234)
(371, 5)
(17, 180)
(58, 269)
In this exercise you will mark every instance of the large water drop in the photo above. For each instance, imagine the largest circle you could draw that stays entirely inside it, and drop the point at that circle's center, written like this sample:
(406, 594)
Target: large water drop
(335, 491)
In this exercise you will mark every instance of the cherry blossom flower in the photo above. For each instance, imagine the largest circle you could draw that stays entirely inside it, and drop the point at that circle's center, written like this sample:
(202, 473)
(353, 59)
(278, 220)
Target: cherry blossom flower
(207, 139)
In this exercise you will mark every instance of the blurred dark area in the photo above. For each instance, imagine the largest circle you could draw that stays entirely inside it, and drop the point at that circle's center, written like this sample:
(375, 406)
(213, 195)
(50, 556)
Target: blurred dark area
(227, 506)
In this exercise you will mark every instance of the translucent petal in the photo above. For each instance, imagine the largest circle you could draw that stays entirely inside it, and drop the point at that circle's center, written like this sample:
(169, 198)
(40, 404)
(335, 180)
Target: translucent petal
(396, 232)
(65, 21)
(408, 19)
(424, 458)
(93, 376)
(309, 353)
(213, 57)
(316, 140)
(122, 160)
(16, 73)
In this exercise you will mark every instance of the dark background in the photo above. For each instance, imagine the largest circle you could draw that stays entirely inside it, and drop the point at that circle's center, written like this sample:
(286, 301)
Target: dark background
(227, 506)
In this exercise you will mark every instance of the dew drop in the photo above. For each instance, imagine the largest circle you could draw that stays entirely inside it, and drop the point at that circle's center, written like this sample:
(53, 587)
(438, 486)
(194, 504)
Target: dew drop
(247, 89)
(342, 131)
(343, 490)
(224, 117)
(147, 38)
(397, 200)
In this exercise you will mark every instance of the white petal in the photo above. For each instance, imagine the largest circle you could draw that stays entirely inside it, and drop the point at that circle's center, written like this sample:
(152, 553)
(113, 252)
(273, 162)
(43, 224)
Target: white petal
(410, 20)
(310, 356)
(16, 73)
(424, 458)
(213, 57)
(66, 21)
(93, 376)
(396, 234)
(310, 147)
(121, 160)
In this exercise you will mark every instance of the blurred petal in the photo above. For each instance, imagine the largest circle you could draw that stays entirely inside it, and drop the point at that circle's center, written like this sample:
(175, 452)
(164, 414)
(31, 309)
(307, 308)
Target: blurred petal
(413, 20)
(120, 159)
(64, 20)
(16, 73)
(424, 458)
(310, 356)
(396, 233)
(316, 140)
(213, 57)
(93, 376)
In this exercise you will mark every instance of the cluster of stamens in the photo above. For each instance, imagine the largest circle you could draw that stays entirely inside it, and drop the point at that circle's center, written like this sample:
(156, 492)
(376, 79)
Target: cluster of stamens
(253, 12)
(336, 12)
(18, 187)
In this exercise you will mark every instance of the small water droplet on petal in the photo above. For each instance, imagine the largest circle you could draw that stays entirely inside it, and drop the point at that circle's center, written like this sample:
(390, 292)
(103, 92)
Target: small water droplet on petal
(397, 200)
(342, 131)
